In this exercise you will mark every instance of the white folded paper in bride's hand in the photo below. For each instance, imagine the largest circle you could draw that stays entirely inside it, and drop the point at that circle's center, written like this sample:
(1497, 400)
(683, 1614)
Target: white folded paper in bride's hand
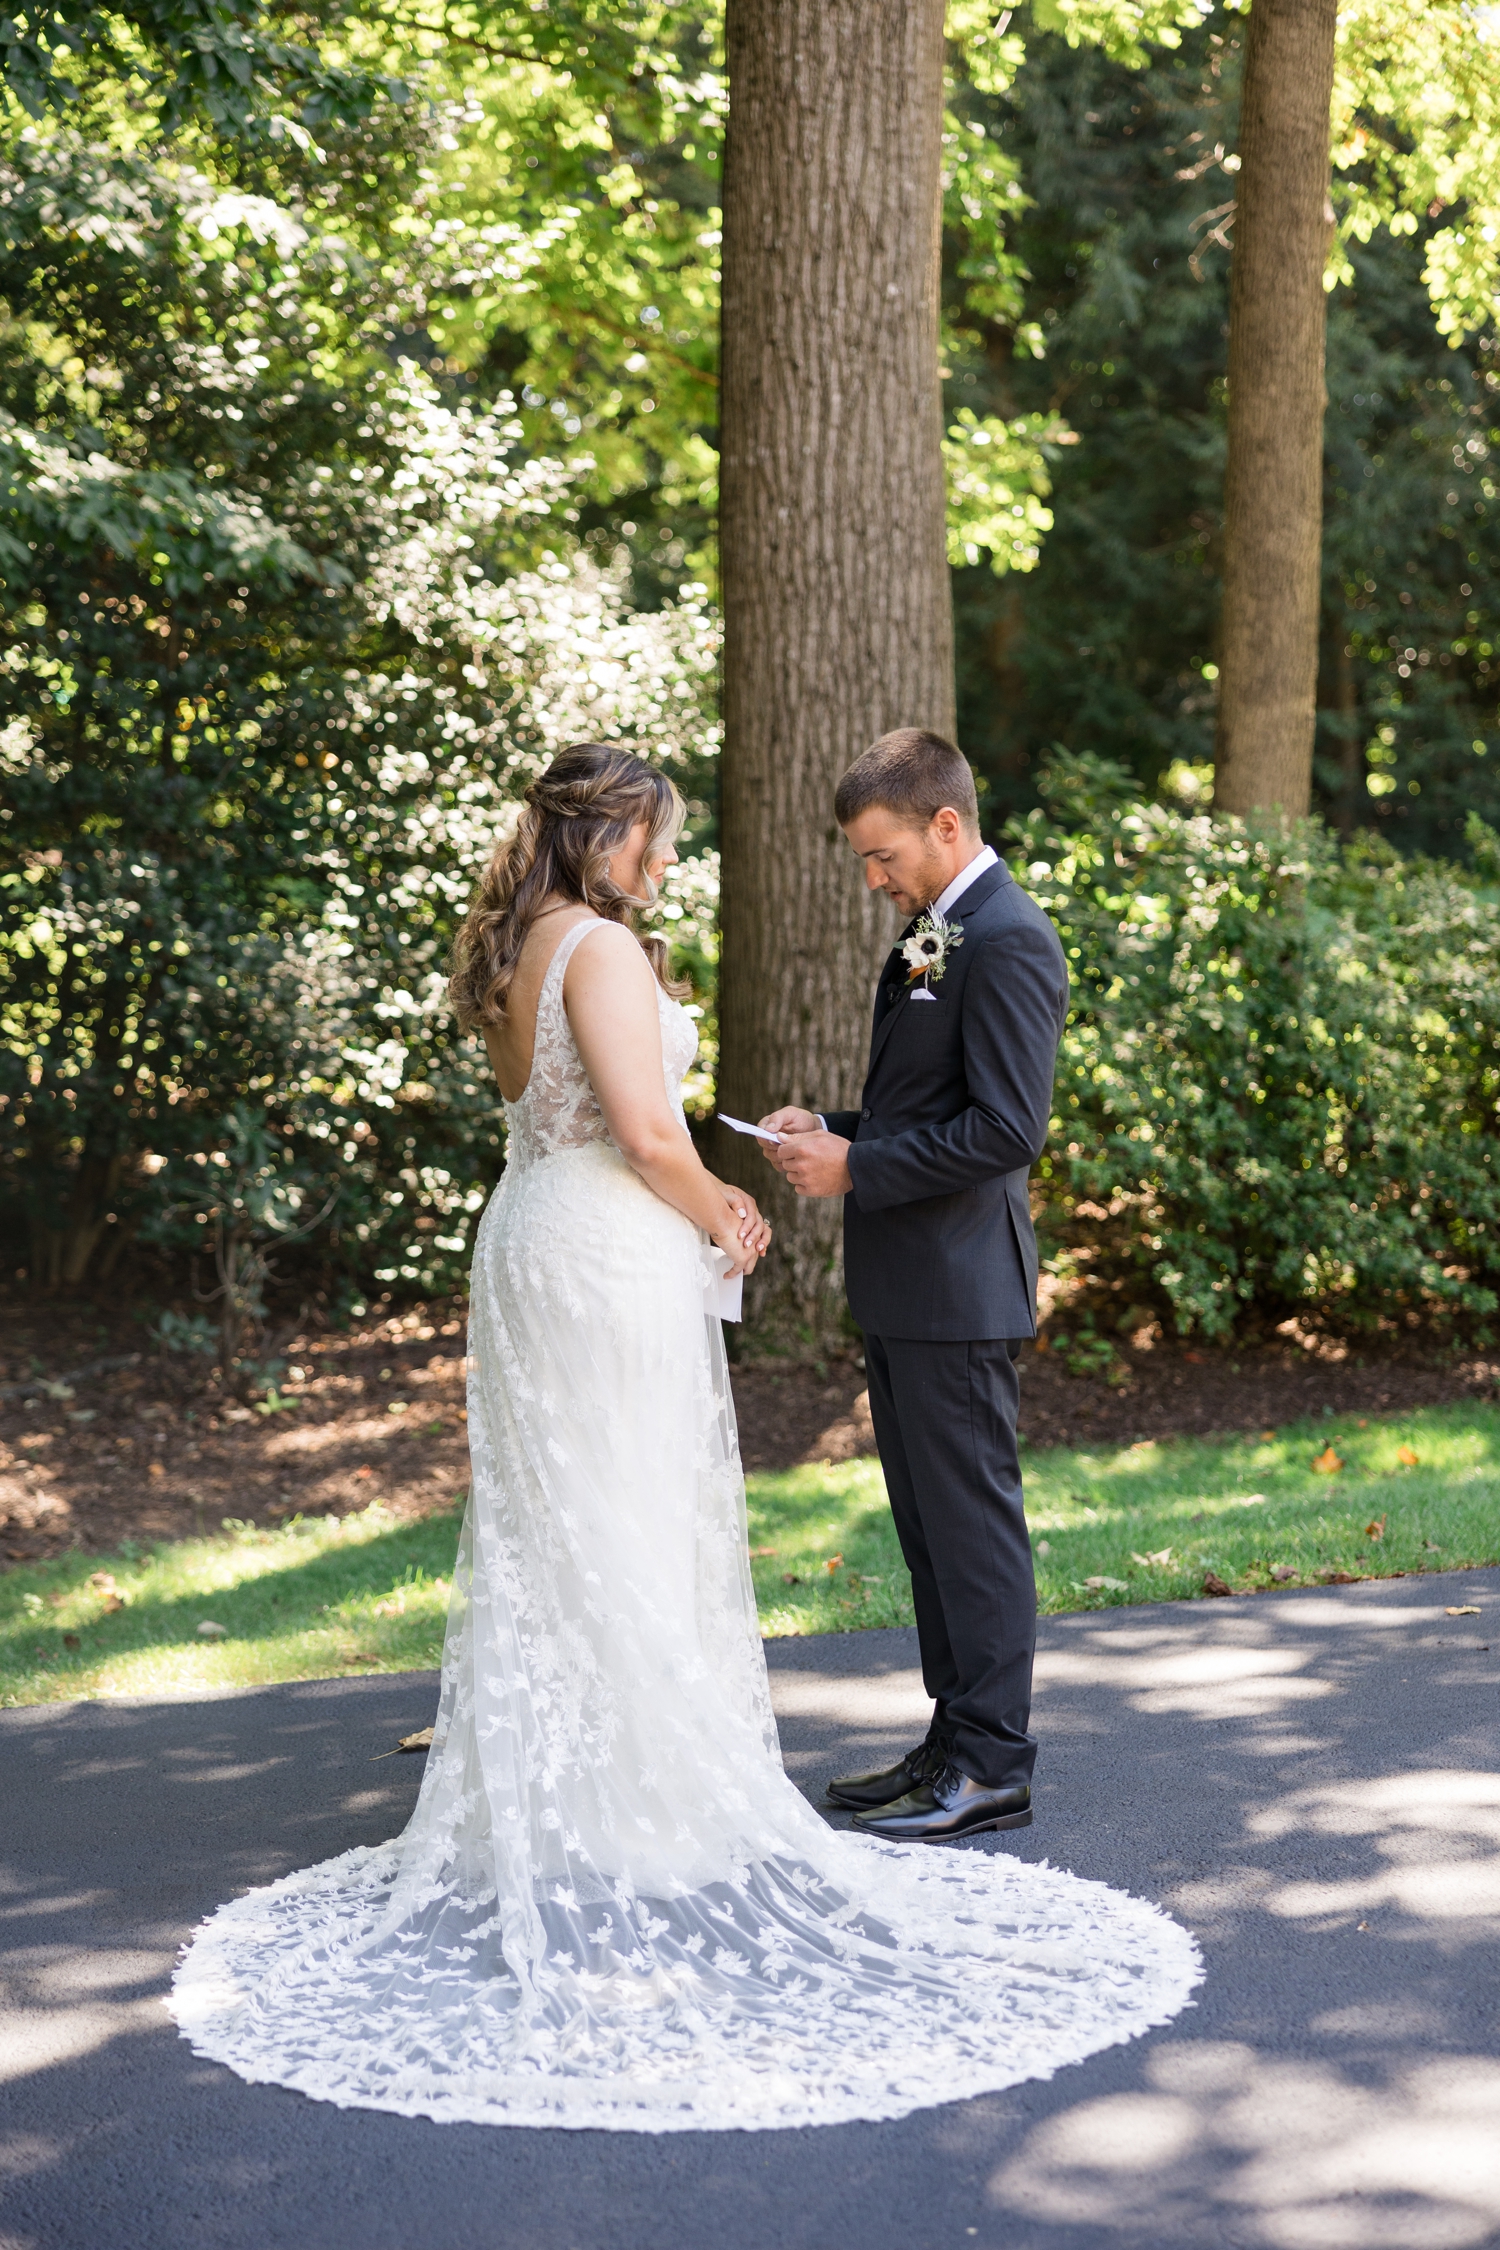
(723, 1289)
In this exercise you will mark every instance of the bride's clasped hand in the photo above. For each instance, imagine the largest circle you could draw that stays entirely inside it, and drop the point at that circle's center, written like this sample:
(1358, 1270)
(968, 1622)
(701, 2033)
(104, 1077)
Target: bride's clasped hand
(611, 1908)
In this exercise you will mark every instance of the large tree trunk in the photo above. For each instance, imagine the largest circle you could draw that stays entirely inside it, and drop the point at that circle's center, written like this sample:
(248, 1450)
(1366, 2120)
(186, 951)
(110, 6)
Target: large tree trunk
(838, 617)
(1273, 489)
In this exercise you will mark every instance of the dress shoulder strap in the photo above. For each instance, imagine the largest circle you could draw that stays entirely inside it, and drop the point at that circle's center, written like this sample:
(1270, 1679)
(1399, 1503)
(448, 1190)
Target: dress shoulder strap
(568, 944)
(549, 1007)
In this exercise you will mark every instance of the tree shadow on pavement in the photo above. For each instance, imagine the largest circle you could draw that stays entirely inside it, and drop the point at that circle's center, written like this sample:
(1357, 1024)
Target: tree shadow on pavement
(1309, 1781)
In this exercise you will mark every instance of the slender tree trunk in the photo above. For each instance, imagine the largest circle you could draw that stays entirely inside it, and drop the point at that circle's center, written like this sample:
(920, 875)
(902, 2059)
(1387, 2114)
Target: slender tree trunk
(838, 617)
(1273, 487)
(1353, 801)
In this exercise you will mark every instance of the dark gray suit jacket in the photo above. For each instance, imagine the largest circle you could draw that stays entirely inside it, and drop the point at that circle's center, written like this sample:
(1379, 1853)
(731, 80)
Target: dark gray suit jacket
(938, 1241)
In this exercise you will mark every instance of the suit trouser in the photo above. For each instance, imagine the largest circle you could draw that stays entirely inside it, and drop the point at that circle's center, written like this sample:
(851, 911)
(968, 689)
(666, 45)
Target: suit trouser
(945, 1423)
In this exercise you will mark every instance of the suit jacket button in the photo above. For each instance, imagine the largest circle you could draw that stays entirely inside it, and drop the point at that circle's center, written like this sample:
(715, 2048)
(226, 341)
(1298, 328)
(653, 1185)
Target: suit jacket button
(864, 1113)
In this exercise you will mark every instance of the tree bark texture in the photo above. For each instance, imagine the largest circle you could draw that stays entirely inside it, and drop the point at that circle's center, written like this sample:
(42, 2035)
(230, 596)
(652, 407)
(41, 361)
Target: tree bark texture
(1273, 487)
(837, 610)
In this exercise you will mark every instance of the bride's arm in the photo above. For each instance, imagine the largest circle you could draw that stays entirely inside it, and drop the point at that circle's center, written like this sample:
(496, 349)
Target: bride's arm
(610, 996)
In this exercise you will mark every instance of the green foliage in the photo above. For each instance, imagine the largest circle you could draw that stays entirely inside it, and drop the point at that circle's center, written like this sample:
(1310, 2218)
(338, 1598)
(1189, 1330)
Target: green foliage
(230, 67)
(284, 626)
(1110, 643)
(1277, 1093)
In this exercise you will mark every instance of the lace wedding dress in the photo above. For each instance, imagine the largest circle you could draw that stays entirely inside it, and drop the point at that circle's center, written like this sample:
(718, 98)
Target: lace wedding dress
(611, 1908)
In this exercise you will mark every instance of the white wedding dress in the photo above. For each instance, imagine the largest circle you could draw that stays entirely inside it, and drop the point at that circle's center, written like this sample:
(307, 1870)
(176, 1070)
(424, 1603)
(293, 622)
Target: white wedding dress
(611, 1908)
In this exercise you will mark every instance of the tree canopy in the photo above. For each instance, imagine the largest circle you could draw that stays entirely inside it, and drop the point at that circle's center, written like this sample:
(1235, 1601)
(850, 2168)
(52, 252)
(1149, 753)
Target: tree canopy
(358, 444)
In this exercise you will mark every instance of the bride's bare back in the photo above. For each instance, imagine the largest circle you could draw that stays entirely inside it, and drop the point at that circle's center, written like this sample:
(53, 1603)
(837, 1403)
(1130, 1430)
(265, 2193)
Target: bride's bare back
(511, 1045)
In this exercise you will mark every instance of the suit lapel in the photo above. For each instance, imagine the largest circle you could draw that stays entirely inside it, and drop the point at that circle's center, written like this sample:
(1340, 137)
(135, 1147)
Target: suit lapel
(981, 890)
(887, 1012)
(883, 1031)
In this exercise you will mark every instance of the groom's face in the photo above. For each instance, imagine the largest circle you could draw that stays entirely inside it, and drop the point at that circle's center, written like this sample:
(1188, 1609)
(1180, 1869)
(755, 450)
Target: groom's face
(911, 865)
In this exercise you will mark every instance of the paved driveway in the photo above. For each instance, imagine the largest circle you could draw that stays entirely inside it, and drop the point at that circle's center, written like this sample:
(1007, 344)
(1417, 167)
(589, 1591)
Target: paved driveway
(1311, 1780)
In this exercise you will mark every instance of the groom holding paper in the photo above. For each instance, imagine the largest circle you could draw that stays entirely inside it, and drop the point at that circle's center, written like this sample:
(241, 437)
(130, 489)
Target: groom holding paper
(940, 1264)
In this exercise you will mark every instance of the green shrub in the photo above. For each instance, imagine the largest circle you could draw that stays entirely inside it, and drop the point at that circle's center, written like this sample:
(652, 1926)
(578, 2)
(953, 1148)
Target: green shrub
(1277, 1089)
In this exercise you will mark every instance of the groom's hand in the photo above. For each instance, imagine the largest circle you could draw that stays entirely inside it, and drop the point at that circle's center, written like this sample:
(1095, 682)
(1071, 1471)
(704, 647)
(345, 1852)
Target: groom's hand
(786, 1121)
(816, 1163)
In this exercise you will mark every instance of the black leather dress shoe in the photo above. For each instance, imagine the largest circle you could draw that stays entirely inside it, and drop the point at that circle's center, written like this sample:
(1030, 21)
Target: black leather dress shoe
(945, 1807)
(863, 1792)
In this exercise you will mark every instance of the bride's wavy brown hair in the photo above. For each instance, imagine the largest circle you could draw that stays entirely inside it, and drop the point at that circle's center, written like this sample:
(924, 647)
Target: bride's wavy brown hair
(576, 814)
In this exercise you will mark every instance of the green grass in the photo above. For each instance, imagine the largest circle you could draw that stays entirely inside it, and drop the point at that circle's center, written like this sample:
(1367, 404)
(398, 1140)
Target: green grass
(369, 1593)
(1235, 1506)
(318, 1596)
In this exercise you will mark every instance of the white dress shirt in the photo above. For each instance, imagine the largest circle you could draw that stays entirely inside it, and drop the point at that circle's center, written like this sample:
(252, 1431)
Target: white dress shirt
(948, 899)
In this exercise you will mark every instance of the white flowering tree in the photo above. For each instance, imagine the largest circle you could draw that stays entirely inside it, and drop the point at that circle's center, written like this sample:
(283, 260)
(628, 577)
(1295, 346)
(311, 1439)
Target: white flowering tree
(285, 627)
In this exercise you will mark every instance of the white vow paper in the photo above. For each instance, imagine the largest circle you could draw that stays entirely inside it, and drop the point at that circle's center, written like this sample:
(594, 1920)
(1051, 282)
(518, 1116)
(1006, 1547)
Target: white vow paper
(757, 1132)
(723, 1291)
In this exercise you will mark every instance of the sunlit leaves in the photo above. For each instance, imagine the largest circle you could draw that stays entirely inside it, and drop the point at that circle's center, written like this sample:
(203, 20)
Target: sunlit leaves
(1278, 1087)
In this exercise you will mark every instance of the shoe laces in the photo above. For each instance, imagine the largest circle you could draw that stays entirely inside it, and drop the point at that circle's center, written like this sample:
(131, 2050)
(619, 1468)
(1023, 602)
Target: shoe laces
(928, 1761)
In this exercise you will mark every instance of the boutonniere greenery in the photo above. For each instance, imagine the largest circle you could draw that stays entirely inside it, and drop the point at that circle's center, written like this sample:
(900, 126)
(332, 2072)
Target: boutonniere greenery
(926, 951)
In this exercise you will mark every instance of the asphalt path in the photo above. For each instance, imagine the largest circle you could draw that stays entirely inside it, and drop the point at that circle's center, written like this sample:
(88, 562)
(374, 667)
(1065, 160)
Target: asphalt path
(1308, 1780)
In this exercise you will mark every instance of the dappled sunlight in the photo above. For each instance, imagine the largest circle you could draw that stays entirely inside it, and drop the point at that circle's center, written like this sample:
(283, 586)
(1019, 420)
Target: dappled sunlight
(1208, 1682)
(311, 1599)
(894, 1703)
(62, 2006)
(1434, 1838)
(1288, 2155)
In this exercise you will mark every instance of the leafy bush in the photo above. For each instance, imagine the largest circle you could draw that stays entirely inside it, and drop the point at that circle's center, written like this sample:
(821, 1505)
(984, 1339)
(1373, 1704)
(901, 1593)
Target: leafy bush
(285, 627)
(1278, 1086)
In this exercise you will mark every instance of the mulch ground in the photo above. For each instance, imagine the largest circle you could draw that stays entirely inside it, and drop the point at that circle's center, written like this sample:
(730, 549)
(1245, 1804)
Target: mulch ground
(143, 1447)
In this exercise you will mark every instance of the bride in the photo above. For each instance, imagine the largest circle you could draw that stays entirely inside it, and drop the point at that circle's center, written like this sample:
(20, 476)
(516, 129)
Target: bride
(611, 1908)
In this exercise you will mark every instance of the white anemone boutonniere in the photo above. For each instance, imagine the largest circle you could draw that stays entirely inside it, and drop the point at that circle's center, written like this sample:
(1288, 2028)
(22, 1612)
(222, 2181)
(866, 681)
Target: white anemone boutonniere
(926, 951)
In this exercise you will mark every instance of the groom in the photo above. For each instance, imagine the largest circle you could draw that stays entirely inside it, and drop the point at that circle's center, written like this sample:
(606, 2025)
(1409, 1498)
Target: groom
(940, 1263)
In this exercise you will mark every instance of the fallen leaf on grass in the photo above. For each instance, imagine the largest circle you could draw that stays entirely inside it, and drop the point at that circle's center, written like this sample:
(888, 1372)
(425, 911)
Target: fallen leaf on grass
(1044, 1546)
(1339, 1577)
(1250, 1500)
(760, 1553)
(835, 1564)
(790, 1578)
(209, 1631)
(1328, 1463)
(1282, 1571)
(103, 1579)
(1466, 1609)
(1266, 1436)
(156, 1470)
(1214, 1584)
(362, 1656)
(71, 1640)
(1376, 1528)
(1432, 1546)
(1407, 1457)
(1115, 1585)
(1158, 1561)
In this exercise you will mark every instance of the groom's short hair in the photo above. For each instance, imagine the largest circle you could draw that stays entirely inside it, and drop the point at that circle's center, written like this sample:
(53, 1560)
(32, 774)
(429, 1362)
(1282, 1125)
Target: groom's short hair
(911, 774)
